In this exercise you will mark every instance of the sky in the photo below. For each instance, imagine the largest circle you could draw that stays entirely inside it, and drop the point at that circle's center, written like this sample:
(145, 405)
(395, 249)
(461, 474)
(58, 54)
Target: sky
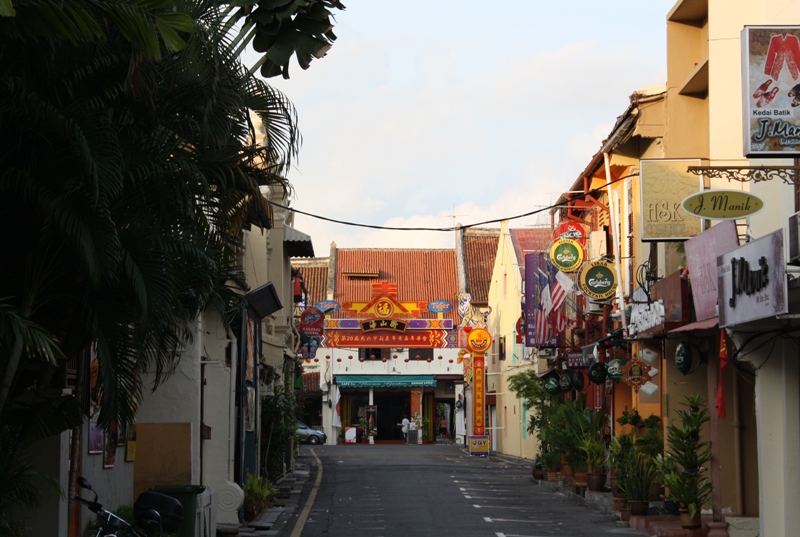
(430, 113)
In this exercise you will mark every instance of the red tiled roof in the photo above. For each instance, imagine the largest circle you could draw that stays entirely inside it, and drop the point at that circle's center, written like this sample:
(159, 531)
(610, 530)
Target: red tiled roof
(420, 275)
(315, 277)
(480, 250)
(531, 241)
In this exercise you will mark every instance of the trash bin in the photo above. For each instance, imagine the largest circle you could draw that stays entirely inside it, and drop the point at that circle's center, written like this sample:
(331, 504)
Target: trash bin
(187, 495)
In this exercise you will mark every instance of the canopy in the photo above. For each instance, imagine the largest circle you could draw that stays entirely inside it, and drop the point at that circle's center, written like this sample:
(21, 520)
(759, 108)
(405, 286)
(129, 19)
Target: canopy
(708, 324)
(385, 381)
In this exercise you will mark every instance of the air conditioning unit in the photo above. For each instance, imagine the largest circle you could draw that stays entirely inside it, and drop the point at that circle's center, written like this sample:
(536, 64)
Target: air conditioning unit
(593, 308)
(597, 245)
(794, 239)
(546, 353)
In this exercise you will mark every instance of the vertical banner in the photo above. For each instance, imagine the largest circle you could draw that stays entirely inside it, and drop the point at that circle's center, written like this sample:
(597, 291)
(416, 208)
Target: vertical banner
(416, 402)
(478, 342)
(337, 408)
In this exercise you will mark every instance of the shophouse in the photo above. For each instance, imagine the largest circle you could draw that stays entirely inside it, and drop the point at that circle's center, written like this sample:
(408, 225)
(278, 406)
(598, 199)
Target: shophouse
(390, 344)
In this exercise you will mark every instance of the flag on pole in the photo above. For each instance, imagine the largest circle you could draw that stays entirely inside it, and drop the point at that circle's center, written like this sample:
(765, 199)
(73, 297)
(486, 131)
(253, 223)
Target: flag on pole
(723, 363)
(545, 298)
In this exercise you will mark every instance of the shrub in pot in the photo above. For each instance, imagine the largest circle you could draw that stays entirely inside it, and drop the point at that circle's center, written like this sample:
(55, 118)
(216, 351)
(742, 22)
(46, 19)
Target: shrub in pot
(619, 456)
(639, 475)
(595, 454)
(683, 468)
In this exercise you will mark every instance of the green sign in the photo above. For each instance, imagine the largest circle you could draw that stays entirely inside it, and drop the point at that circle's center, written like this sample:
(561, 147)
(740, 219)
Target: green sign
(551, 385)
(565, 383)
(722, 204)
(566, 254)
(597, 373)
(683, 357)
(598, 280)
(615, 369)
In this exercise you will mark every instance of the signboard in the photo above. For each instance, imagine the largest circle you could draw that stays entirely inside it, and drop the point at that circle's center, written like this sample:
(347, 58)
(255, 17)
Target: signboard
(614, 369)
(752, 281)
(478, 342)
(372, 420)
(327, 306)
(571, 230)
(566, 254)
(664, 185)
(312, 322)
(771, 91)
(479, 446)
(440, 306)
(635, 373)
(598, 280)
(384, 339)
(722, 204)
(701, 256)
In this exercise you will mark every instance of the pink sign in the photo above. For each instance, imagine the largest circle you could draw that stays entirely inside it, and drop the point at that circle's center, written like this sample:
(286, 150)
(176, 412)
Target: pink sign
(701, 256)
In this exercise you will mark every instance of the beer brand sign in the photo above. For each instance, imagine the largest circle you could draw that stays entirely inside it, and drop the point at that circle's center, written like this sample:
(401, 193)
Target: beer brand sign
(567, 255)
(771, 91)
(598, 280)
(571, 230)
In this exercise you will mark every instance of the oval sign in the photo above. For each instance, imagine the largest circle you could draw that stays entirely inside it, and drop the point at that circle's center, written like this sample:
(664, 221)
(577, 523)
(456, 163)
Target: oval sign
(565, 383)
(551, 385)
(327, 306)
(597, 373)
(722, 204)
(598, 280)
(566, 254)
(439, 306)
(578, 381)
(683, 357)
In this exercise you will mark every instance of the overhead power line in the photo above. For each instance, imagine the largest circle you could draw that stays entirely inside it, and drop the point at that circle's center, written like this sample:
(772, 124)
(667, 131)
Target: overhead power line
(453, 228)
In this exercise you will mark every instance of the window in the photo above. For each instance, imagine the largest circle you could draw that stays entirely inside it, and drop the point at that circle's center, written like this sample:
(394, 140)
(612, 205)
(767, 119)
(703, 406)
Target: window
(420, 354)
(374, 354)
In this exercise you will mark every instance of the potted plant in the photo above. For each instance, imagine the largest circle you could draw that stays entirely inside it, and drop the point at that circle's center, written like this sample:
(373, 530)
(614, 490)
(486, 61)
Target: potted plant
(619, 457)
(640, 472)
(684, 467)
(362, 424)
(538, 469)
(594, 452)
(647, 438)
(258, 491)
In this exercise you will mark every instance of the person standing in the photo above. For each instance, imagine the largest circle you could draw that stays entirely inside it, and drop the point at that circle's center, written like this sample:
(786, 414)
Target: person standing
(405, 429)
(443, 428)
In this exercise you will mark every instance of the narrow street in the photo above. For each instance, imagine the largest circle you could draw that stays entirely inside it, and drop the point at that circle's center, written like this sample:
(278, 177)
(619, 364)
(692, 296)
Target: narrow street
(400, 490)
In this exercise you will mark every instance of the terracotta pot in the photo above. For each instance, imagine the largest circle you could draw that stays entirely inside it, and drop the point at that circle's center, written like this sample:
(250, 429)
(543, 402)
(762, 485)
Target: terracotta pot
(579, 477)
(638, 508)
(538, 474)
(690, 523)
(596, 482)
(625, 514)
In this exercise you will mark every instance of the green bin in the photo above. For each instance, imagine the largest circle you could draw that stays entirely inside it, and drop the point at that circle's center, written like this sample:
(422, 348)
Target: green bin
(187, 495)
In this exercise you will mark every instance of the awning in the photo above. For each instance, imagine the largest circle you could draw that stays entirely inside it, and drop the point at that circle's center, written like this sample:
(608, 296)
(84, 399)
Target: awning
(698, 325)
(296, 243)
(385, 381)
(547, 372)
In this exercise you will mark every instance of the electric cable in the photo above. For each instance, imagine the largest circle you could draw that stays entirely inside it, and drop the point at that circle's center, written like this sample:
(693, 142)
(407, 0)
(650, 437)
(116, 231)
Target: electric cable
(452, 228)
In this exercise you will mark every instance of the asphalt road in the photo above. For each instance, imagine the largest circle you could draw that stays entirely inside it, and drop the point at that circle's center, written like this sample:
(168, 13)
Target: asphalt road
(400, 490)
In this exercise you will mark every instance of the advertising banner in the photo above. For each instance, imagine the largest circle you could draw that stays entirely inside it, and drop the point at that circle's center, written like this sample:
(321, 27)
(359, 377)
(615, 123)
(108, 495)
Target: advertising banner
(771, 91)
(664, 186)
(752, 281)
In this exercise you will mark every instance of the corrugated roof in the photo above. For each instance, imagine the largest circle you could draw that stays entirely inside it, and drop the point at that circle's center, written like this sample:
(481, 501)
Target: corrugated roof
(315, 277)
(420, 275)
(480, 250)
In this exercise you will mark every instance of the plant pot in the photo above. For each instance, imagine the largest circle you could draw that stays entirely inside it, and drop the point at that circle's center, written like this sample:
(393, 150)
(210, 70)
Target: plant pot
(538, 474)
(625, 514)
(596, 482)
(638, 508)
(579, 477)
(553, 475)
(690, 523)
(614, 489)
(671, 508)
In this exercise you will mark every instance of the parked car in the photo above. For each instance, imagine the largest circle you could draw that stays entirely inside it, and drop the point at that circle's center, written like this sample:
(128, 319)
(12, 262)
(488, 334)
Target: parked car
(310, 435)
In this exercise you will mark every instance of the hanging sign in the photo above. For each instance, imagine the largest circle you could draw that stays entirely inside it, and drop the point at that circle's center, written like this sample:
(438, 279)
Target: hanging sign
(597, 373)
(478, 342)
(722, 204)
(571, 230)
(683, 357)
(614, 369)
(564, 383)
(327, 306)
(312, 322)
(598, 280)
(566, 254)
(635, 373)
(551, 385)
(577, 381)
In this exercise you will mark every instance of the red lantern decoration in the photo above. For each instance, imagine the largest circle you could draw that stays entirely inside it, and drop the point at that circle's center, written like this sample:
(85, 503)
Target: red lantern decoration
(328, 357)
(418, 357)
(440, 357)
(395, 357)
(316, 359)
(430, 360)
(451, 361)
(406, 360)
(383, 360)
(360, 359)
(338, 359)
(371, 356)
(350, 357)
